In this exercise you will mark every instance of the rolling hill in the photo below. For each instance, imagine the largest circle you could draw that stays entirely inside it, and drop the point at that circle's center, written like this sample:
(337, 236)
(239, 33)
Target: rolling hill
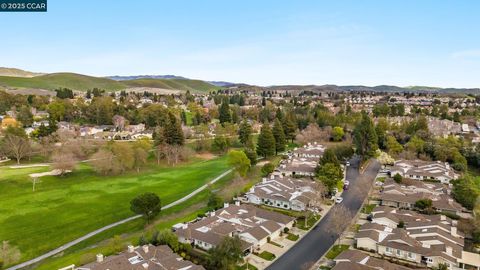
(15, 72)
(81, 82)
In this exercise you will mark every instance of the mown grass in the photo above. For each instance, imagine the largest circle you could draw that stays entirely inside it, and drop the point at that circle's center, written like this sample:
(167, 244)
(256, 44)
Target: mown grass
(335, 251)
(131, 232)
(65, 208)
(266, 255)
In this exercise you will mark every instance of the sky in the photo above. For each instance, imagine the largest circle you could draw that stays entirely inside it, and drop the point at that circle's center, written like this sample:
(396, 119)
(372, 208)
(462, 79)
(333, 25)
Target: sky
(404, 42)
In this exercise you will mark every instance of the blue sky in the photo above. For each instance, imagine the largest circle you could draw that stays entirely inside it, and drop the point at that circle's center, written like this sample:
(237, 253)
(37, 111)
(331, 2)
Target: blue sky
(435, 43)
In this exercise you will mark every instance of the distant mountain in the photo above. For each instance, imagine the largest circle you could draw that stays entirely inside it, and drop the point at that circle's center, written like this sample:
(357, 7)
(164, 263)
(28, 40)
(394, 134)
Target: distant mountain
(15, 72)
(136, 77)
(222, 83)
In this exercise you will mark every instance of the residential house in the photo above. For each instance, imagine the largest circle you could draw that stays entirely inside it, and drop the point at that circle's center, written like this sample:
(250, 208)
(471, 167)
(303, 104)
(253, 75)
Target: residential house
(358, 260)
(140, 258)
(283, 192)
(254, 226)
(424, 170)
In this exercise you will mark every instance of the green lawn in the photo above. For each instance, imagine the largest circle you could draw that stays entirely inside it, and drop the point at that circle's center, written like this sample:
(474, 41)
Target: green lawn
(244, 267)
(335, 251)
(292, 237)
(266, 255)
(310, 222)
(65, 208)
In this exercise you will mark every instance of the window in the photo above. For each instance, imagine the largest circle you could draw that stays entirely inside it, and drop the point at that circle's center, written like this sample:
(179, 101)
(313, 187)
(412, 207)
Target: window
(411, 255)
(430, 260)
(399, 252)
(388, 250)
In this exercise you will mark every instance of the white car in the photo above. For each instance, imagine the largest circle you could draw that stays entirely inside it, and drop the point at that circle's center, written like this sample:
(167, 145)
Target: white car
(338, 200)
(346, 182)
(348, 163)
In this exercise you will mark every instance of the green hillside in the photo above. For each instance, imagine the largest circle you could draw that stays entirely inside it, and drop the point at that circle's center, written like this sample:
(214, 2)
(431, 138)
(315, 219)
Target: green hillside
(178, 84)
(82, 83)
(57, 80)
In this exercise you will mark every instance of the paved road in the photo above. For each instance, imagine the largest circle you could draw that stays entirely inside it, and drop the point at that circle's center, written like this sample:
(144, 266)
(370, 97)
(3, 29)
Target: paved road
(312, 247)
(85, 237)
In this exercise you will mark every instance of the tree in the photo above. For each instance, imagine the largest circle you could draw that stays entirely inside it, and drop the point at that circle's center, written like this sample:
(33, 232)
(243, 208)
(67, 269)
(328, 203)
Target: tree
(16, 144)
(214, 201)
(393, 147)
(64, 160)
(239, 161)
(173, 131)
(227, 254)
(220, 144)
(398, 178)
(245, 132)
(167, 237)
(103, 162)
(329, 174)
(9, 254)
(140, 152)
(290, 126)
(416, 145)
(147, 204)
(365, 137)
(25, 116)
(465, 191)
(251, 155)
(266, 142)
(267, 169)
(225, 115)
(337, 134)
(340, 219)
(423, 204)
(279, 136)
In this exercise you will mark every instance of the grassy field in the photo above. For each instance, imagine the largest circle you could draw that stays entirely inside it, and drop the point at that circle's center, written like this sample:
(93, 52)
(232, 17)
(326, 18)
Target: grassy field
(64, 208)
(82, 83)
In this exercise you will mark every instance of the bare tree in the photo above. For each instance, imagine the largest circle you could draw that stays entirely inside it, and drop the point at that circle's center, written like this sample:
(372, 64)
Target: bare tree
(319, 191)
(64, 160)
(9, 254)
(159, 152)
(313, 133)
(173, 154)
(339, 221)
(118, 122)
(103, 162)
(17, 147)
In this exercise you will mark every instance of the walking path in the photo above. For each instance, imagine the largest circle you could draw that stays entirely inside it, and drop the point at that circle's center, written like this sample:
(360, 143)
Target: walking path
(85, 237)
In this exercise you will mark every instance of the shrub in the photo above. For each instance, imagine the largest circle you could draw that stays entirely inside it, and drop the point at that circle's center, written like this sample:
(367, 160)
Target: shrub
(397, 178)
(267, 169)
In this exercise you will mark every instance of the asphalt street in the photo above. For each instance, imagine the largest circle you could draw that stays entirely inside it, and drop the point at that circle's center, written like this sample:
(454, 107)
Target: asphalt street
(312, 247)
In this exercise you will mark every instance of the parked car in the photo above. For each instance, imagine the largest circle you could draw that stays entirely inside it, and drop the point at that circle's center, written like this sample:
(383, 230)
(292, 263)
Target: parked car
(346, 182)
(347, 163)
(338, 200)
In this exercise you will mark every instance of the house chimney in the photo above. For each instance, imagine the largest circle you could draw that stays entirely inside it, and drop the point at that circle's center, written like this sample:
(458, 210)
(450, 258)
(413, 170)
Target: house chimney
(443, 217)
(448, 249)
(237, 203)
(145, 248)
(264, 180)
(145, 266)
(212, 214)
(99, 258)
(226, 205)
(272, 176)
(131, 249)
(453, 231)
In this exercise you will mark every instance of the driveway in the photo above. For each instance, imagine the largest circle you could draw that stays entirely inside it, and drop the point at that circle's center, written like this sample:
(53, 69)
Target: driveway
(312, 247)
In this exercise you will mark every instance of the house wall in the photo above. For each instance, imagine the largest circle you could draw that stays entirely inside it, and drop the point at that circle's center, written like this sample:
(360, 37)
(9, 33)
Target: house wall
(366, 243)
(403, 254)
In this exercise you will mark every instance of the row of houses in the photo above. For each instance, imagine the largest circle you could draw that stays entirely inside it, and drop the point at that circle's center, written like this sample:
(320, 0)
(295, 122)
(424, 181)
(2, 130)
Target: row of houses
(140, 258)
(424, 170)
(284, 189)
(406, 194)
(415, 238)
(253, 225)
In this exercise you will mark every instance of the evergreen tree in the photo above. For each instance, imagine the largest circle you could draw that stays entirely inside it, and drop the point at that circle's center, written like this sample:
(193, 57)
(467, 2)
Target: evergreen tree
(173, 131)
(365, 137)
(266, 142)
(224, 113)
(279, 136)
(245, 132)
(290, 126)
